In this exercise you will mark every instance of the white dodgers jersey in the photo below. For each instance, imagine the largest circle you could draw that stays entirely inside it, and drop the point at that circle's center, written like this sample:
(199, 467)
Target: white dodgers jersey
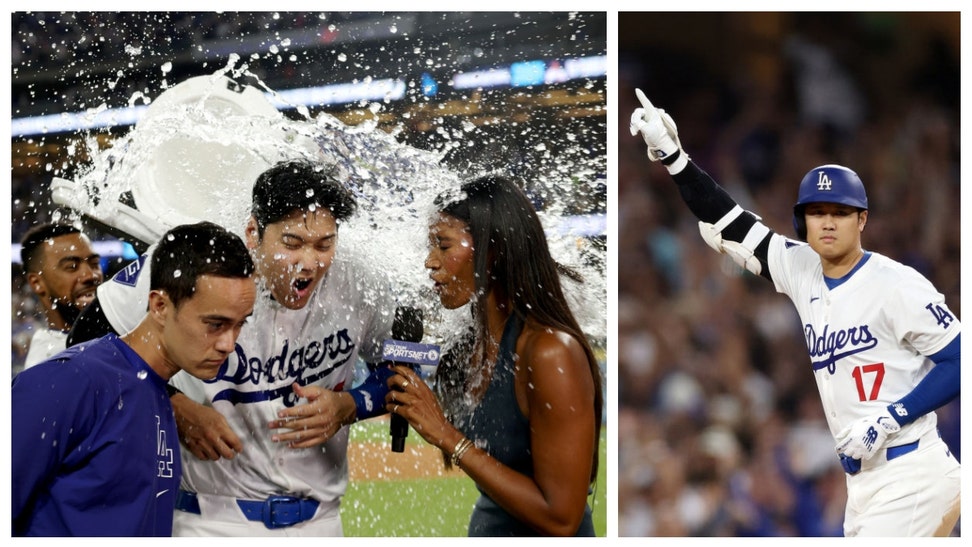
(868, 338)
(349, 316)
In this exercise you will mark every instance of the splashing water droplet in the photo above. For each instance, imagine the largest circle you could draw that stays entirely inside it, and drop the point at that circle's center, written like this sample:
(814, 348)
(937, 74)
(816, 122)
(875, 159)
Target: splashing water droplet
(177, 273)
(395, 183)
(142, 375)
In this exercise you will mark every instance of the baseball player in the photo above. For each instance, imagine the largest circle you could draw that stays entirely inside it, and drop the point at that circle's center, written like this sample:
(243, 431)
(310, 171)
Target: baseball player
(267, 450)
(884, 347)
(63, 270)
(95, 450)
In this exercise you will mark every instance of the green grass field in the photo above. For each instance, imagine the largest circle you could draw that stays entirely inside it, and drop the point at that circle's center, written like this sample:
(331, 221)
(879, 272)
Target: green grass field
(427, 507)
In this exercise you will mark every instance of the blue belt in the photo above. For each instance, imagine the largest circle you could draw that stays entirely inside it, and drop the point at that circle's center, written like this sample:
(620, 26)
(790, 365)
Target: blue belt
(853, 465)
(273, 512)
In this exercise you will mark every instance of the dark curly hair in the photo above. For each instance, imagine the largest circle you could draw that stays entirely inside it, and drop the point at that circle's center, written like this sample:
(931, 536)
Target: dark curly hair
(299, 185)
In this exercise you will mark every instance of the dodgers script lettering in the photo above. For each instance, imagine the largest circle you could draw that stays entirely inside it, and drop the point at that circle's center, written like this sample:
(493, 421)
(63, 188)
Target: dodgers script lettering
(832, 346)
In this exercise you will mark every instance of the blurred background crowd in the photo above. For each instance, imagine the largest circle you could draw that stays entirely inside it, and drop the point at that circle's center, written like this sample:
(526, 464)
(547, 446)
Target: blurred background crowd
(720, 426)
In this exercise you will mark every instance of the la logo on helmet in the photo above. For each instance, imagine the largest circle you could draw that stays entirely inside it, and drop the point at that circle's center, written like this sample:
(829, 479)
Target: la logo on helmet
(823, 181)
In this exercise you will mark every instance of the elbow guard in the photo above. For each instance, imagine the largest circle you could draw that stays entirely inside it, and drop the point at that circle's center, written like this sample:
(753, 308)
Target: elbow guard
(742, 253)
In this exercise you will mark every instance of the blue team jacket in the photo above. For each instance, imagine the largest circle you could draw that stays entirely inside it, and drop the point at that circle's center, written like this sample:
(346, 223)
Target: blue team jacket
(94, 445)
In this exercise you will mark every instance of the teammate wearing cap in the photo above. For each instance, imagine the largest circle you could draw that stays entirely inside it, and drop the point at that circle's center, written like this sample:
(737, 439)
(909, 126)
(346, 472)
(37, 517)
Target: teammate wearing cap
(884, 346)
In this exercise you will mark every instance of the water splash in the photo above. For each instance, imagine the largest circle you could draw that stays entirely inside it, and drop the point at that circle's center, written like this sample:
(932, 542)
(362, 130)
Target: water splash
(395, 184)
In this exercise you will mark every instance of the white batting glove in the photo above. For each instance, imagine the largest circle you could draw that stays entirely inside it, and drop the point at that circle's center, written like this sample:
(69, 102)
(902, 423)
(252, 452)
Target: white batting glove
(864, 438)
(659, 132)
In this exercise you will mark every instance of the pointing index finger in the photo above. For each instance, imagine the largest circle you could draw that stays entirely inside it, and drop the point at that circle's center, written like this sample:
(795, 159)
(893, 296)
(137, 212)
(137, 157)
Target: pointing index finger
(644, 100)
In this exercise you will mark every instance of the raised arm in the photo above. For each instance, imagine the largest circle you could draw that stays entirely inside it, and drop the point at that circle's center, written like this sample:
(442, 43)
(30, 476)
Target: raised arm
(724, 225)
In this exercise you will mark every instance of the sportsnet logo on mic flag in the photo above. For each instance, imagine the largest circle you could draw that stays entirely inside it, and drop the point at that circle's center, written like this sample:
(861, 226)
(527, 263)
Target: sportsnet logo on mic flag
(410, 352)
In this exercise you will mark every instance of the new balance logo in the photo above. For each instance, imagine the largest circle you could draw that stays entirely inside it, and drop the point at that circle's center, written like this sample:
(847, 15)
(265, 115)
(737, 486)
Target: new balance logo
(900, 410)
(823, 181)
(869, 437)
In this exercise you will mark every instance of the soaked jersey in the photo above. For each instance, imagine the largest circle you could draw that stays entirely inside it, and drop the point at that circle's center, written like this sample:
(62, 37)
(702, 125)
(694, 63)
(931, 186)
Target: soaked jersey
(348, 317)
(869, 336)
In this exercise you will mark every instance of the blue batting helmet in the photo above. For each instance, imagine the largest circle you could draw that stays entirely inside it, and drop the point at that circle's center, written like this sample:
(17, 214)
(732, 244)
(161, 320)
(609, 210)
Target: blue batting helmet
(827, 184)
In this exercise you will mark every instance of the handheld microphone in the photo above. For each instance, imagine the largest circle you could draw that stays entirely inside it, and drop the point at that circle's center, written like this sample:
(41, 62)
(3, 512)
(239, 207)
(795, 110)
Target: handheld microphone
(404, 348)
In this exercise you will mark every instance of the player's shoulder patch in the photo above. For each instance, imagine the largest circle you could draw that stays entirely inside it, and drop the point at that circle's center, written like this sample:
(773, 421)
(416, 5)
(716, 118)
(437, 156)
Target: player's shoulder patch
(129, 274)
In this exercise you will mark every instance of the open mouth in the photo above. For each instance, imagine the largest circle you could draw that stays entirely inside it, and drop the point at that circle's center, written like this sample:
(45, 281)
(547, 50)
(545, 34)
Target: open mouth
(302, 285)
(85, 297)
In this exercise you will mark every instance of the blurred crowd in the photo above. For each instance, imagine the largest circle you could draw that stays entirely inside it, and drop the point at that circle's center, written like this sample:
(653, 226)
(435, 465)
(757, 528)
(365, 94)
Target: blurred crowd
(59, 38)
(720, 426)
(72, 61)
(47, 43)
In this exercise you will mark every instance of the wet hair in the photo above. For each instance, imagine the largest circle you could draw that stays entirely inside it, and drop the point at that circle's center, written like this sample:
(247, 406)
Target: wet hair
(31, 249)
(299, 185)
(189, 251)
(511, 256)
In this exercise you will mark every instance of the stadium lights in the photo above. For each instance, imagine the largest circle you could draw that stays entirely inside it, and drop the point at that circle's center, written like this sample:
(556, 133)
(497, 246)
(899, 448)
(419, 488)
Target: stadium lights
(536, 72)
(518, 74)
(515, 75)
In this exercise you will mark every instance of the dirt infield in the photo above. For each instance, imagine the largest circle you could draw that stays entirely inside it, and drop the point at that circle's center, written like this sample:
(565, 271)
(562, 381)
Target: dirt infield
(376, 461)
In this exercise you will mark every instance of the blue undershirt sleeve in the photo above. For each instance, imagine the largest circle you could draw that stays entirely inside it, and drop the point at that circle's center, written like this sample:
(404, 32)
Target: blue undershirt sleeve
(941, 385)
(369, 397)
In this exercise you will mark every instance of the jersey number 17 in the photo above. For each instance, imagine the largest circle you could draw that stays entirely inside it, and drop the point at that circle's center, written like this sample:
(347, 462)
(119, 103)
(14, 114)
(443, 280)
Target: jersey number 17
(877, 369)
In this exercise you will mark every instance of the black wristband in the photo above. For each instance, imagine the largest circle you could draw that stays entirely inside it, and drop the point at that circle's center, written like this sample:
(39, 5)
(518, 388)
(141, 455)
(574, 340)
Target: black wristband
(668, 160)
(172, 390)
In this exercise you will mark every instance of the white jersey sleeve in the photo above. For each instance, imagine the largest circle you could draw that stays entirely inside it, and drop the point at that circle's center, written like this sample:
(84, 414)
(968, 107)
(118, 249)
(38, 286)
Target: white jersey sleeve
(919, 313)
(124, 297)
(45, 343)
(789, 261)
(373, 301)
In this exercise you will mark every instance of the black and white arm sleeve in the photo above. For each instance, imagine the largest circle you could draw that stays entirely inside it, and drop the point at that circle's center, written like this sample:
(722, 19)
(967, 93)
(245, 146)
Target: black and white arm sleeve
(724, 225)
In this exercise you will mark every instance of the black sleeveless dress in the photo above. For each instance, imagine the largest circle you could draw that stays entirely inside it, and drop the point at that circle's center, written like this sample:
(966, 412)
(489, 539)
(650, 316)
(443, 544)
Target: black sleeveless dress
(498, 426)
